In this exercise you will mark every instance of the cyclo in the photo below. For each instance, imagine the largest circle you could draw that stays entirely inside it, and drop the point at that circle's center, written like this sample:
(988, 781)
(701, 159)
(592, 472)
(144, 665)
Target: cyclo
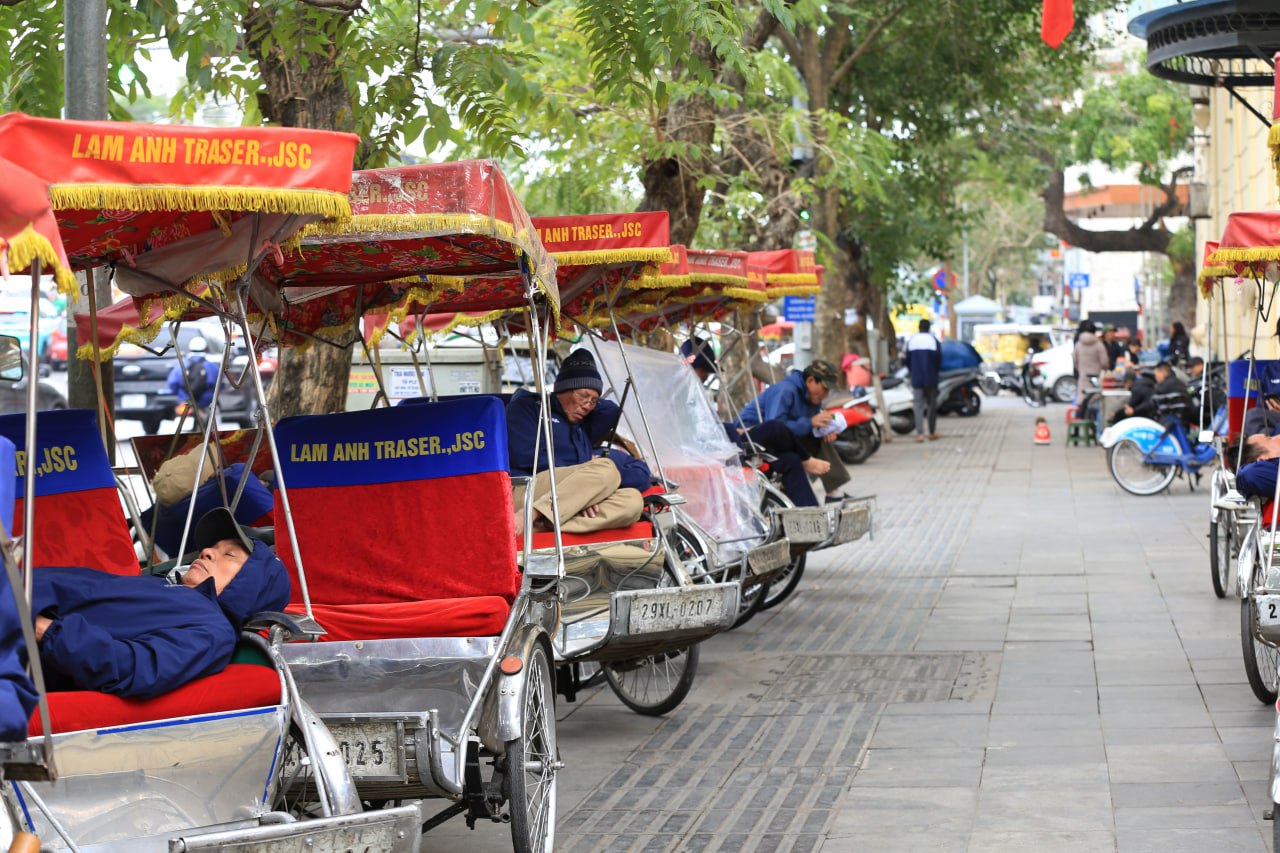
(704, 308)
(426, 673)
(631, 605)
(199, 768)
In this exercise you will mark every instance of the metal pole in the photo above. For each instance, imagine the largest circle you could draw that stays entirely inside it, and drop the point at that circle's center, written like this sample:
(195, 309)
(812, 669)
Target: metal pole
(29, 481)
(85, 71)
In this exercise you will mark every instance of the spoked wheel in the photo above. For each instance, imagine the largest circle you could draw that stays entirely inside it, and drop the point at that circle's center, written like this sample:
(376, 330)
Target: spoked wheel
(782, 587)
(533, 761)
(1261, 662)
(785, 584)
(1133, 473)
(750, 602)
(1033, 395)
(296, 791)
(656, 684)
(1220, 553)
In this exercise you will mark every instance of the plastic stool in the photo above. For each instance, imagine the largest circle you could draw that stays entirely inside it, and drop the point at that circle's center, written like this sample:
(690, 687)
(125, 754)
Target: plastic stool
(1080, 432)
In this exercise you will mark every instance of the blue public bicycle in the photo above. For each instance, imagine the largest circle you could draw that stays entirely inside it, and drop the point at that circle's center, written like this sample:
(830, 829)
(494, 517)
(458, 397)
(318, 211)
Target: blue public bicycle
(1144, 455)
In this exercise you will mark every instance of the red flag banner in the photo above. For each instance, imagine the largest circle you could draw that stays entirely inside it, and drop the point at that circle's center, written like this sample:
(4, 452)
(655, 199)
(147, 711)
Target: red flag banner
(1057, 19)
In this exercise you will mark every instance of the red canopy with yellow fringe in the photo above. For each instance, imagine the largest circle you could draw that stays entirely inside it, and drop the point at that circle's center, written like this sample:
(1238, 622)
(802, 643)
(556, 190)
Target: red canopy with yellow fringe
(789, 272)
(719, 282)
(1250, 245)
(595, 255)
(452, 234)
(1210, 272)
(28, 229)
(120, 190)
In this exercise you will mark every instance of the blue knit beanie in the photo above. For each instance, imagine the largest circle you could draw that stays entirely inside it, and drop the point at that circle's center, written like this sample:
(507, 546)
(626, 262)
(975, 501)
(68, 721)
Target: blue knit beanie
(578, 371)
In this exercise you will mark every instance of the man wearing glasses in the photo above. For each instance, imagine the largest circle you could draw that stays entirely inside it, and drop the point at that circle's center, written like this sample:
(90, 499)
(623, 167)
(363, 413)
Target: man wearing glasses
(594, 492)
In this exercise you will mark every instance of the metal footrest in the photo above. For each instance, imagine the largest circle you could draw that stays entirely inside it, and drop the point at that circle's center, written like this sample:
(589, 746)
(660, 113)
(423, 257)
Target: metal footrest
(397, 830)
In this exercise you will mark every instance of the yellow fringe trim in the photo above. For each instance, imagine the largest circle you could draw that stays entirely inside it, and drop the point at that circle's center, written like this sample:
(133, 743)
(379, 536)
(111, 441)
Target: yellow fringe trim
(746, 294)
(794, 290)
(325, 203)
(716, 278)
(140, 335)
(792, 278)
(1215, 272)
(28, 245)
(1273, 141)
(660, 255)
(660, 282)
(443, 223)
(1230, 255)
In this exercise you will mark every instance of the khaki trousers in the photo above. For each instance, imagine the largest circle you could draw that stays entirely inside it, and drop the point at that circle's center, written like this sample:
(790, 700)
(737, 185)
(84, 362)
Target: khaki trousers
(593, 483)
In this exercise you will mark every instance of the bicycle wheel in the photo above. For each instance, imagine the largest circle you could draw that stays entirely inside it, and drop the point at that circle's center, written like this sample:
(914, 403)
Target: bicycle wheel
(1220, 553)
(654, 685)
(785, 584)
(1261, 661)
(1133, 473)
(532, 761)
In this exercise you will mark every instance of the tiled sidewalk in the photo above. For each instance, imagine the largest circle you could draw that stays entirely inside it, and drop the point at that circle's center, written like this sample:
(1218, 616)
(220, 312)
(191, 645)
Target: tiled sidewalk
(1024, 658)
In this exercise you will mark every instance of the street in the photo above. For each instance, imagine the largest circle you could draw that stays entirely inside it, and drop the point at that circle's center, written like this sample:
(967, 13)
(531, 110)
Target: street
(1024, 658)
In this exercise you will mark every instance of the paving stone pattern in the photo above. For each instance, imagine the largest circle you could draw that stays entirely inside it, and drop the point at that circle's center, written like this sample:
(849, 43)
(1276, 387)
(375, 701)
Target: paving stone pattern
(1023, 658)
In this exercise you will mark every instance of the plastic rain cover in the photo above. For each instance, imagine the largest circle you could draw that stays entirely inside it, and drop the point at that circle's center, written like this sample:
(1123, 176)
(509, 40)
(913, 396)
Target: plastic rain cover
(689, 442)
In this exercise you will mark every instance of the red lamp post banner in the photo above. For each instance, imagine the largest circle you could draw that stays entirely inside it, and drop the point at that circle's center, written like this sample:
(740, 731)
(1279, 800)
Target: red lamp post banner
(28, 228)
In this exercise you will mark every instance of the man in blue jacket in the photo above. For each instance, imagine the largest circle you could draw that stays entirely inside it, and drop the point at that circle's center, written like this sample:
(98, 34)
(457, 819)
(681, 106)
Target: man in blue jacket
(924, 361)
(140, 636)
(796, 403)
(593, 492)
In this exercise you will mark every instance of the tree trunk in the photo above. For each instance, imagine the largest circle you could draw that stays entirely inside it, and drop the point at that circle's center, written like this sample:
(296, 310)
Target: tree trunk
(1182, 295)
(309, 94)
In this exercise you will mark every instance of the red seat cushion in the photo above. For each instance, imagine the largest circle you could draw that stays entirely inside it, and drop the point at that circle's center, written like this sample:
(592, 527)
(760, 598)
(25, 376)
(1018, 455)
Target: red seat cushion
(1268, 512)
(239, 686)
(403, 542)
(478, 616)
(640, 530)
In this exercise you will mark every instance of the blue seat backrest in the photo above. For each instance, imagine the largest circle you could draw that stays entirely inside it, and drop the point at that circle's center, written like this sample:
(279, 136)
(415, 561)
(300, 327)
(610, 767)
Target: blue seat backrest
(418, 401)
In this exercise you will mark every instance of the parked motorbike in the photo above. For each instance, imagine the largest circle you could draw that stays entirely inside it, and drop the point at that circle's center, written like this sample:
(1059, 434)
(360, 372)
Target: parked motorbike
(1027, 381)
(861, 438)
(957, 392)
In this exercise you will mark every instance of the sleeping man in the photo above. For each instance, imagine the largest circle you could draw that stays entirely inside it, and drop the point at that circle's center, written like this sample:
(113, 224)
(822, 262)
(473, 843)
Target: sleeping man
(140, 636)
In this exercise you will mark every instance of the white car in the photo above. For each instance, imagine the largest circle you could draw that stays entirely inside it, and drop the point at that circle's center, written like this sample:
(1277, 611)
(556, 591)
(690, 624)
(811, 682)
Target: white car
(1055, 365)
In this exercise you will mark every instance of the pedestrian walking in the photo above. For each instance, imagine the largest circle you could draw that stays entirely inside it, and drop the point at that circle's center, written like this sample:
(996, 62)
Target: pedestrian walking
(1091, 361)
(924, 361)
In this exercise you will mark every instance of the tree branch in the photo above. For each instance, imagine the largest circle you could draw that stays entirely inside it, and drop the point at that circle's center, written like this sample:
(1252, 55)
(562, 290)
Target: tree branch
(335, 5)
(1145, 238)
(852, 60)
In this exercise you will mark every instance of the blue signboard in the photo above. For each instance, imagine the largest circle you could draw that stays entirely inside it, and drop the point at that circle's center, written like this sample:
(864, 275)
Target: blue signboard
(798, 309)
(1078, 280)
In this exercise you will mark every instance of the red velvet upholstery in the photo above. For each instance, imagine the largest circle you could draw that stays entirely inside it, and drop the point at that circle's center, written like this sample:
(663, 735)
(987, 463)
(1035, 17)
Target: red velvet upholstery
(405, 541)
(480, 616)
(81, 529)
(642, 529)
(239, 686)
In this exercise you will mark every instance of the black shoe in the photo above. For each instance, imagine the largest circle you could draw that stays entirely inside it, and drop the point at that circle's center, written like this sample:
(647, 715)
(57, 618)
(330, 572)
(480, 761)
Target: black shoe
(834, 499)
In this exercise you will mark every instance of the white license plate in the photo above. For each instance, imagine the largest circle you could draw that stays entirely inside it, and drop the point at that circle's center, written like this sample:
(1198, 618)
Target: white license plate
(853, 524)
(371, 749)
(766, 558)
(133, 401)
(355, 839)
(660, 611)
(1268, 610)
(805, 526)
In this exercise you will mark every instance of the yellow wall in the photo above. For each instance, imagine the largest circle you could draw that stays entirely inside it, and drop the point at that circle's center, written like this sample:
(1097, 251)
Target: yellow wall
(1236, 164)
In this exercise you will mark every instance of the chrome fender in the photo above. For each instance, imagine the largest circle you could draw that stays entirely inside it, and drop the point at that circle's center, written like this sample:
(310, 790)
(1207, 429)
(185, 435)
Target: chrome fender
(1144, 431)
(502, 715)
